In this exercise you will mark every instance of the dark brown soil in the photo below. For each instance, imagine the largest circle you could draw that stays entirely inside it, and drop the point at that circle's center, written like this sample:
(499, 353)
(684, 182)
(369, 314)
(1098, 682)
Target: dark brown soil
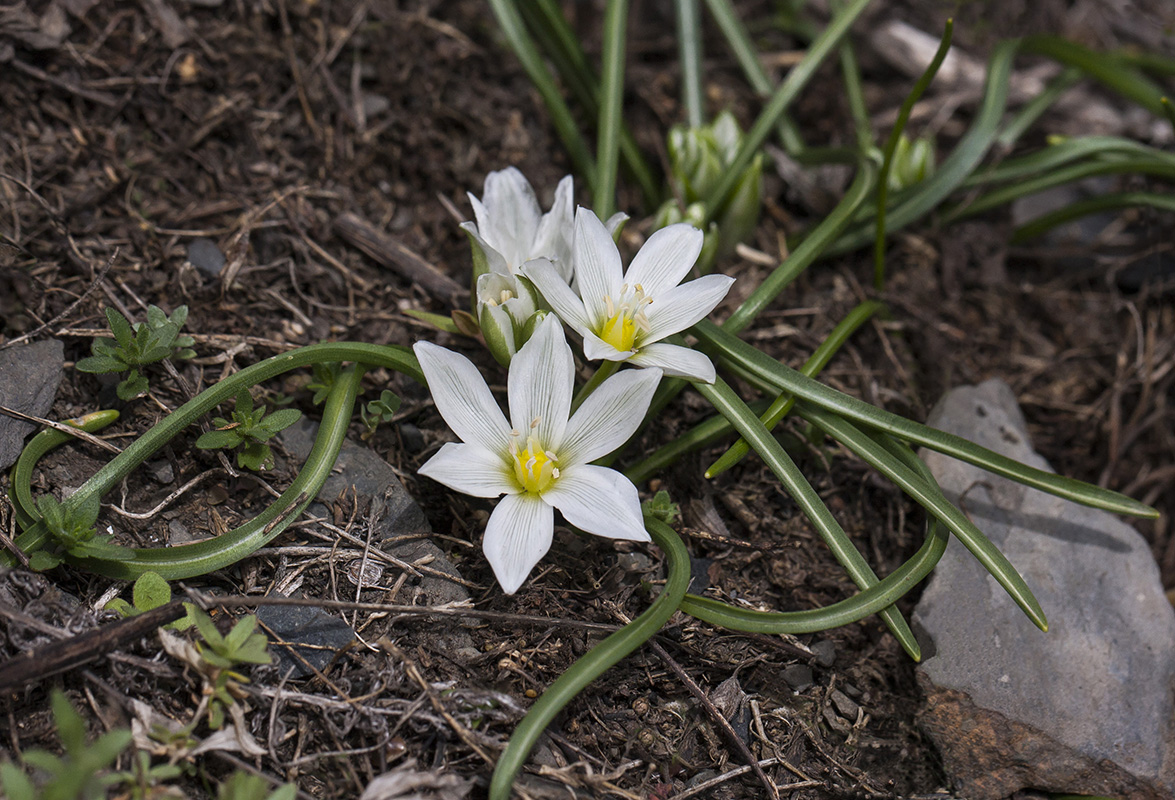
(136, 131)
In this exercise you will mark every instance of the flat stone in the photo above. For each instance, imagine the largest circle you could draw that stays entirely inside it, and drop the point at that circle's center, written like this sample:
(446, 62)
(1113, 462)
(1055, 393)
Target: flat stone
(204, 255)
(312, 633)
(1085, 708)
(29, 376)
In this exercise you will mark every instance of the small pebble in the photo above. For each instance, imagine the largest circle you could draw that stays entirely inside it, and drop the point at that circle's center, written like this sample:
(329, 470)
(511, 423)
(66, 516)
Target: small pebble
(798, 676)
(412, 437)
(204, 255)
(847, 708)
(825, 653)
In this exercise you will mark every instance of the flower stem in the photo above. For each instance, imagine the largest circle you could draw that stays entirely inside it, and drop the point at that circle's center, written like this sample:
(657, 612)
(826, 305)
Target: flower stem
(606, 370)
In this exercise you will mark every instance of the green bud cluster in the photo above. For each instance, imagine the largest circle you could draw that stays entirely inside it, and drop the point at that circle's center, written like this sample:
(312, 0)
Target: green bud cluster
(699, 157)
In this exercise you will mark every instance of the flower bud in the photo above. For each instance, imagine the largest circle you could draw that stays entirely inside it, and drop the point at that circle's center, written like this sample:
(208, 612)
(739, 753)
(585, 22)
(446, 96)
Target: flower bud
(913, 162)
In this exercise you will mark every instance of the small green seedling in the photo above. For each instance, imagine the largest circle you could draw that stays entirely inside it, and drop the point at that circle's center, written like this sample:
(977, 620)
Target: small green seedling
(661, 507)
(378, 412)
(79, 774)
(220, 653)
(243, 786)
(143, 781)
(135, 346)
(149, 592)
(74, 532)
(325, 375)
(251, 427)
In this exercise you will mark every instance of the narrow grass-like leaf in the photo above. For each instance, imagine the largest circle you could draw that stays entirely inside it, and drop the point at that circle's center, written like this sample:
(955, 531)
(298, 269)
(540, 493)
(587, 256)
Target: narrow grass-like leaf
(929, 496)
(611, 108)
(1092, 205)
(783, 403)
(891, 147)
(730, 405)
(784, 378)
(510, 21)
(1109, 69)
(597, 660)
(967, 154)
(689, 49)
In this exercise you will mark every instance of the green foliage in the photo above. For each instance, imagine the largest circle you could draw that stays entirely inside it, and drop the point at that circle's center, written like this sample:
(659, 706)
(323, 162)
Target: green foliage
(142, 781)
(913, 162)
(379, 412)
(80, 773)
(250, 427)
(661, 507)
(150, 591)
(243, 786)
(326, 374)
(73, 531)
(220, 653)
(135, 346)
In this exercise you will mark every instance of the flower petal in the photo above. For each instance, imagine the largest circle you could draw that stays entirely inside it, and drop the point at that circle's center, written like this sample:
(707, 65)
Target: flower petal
(681, 306)
(609, 416)
(462, 397)
(676, 361)
(518, 535)
(471, 469)
(494, 261)
(600, 501)
(559, 296)
(556, 230)
(514, 214)
(542, 375)
(598, 270)
(596, 349)
(665, 259)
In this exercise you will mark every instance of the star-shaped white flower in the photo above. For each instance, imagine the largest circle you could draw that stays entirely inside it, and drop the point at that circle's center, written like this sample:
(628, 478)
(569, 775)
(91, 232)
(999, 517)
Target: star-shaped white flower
(540, 459)
(624, 317)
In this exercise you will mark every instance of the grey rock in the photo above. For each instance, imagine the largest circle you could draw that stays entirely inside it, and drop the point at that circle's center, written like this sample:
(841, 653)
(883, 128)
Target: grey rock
(204, 255)
(29, 375)
(1085, 708)
(845, 705)
(314, 635)
(825, 653)
(798, 676)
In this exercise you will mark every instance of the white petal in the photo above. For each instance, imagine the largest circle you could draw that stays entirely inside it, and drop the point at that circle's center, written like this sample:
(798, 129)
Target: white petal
(542, 376)
(609, 416)
(514, 214)
(557, 293)
(462, 397)
(665, 259)
(596, 349)
(495, 261)
(676, 361)
(518, 535)
(471, 469)
(557, 229)
(614, 223)
(598, 270)
(480, 213)
(678, 308)
(600, 501)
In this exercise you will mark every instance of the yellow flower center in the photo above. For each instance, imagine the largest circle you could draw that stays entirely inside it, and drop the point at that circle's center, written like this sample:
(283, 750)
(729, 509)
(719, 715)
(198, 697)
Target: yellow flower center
(534, 467)
(625, 319)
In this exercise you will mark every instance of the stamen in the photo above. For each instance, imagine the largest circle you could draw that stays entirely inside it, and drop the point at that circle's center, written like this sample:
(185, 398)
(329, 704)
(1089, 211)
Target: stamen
(534, 423)
(608, 306)
(554, 472)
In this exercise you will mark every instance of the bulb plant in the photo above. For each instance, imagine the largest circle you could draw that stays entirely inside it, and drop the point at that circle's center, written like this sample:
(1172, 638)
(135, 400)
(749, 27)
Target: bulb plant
(549, 289)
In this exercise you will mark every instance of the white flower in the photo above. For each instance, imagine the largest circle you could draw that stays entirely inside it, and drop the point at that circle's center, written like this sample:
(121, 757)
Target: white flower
(540, 458)
(511, 229)
(623, 317)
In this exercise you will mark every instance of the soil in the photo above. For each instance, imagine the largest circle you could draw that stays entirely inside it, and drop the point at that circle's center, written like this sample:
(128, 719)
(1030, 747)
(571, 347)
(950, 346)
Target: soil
(129, 131)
